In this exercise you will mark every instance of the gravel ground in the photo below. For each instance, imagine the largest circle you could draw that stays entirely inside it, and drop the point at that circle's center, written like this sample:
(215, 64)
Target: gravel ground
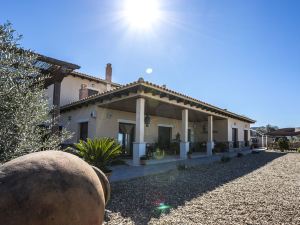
(254, 189)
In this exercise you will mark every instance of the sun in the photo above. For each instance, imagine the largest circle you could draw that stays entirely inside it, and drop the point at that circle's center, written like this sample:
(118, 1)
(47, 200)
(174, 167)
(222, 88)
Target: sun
(141, 14)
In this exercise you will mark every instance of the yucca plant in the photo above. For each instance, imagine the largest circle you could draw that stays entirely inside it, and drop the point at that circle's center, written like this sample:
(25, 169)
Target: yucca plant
(99, 152)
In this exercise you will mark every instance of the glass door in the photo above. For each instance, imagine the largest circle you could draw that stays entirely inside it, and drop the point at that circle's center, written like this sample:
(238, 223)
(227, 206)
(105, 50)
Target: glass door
(126, 138)
(164, 138)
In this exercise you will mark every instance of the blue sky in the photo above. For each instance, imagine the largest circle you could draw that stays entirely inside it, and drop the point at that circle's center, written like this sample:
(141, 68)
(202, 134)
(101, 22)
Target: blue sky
(239, 55)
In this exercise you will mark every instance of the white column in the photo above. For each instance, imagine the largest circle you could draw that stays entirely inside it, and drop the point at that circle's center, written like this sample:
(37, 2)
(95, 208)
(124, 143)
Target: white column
(210, 138)
(184, 144)
(266, 142)
(262, 141)
(139, 146)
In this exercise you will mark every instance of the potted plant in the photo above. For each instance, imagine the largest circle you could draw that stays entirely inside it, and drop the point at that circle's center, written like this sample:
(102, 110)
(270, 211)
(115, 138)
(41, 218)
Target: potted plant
(189, 154)
(99, 152)
(143, 160)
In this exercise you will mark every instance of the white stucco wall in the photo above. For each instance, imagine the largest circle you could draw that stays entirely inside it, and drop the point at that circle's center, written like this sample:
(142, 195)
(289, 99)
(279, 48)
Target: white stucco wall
(71, 85)
(107, 121)
(71, 120)
(219, 131)
(70, 89)
(241, 126)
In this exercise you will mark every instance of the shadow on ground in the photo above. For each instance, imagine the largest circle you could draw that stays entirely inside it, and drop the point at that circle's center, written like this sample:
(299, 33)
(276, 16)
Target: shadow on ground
(141, 199)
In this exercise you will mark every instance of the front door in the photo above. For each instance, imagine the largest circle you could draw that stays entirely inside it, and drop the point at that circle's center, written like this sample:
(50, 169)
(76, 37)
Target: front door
(126, 138)
(83, 131)
(164, 137)
(235, 137)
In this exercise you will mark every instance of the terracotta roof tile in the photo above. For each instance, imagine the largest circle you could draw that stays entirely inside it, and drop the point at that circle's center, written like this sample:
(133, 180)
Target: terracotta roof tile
(142, 82)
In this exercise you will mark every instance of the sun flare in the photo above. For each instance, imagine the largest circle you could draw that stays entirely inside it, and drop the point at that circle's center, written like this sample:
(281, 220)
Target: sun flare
(141, 14)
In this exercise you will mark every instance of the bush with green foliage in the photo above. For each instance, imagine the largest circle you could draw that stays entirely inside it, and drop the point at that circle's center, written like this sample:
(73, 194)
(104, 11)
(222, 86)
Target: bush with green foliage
(99, 152)
(220, 147)
(25, 118)
(283, 144)
(239, 155)
(182, 167)
(298, 150)
(225, 159)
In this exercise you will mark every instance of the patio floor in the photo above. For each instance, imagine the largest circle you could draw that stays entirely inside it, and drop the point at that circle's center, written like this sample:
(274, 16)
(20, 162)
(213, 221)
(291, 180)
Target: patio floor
(125, 172)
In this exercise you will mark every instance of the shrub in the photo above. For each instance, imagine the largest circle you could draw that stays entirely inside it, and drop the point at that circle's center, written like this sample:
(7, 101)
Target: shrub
(159, 154)
(283, 144)
(225, 159)
(239, 155)
(182, 167)
(25, 119)
(220, 147)
(99, 152)
(143, 157)
(298, 150)
(175, 147)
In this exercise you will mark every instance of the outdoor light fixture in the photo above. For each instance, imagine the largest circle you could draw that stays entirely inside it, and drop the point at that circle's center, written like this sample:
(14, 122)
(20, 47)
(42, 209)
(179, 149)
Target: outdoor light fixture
(147, 120)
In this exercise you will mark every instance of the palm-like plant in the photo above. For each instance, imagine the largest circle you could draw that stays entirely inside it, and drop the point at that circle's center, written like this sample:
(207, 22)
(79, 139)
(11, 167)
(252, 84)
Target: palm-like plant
(99, 152)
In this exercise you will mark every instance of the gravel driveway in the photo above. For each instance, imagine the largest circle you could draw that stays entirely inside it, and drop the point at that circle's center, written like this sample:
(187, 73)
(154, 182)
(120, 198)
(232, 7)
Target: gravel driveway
(254, 189)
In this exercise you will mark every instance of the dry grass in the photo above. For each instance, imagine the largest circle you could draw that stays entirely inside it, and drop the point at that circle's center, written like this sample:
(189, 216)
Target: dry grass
(255, 189)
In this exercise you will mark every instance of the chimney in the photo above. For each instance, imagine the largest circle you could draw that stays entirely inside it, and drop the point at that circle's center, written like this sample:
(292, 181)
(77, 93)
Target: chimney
(108, 72)
(83, 92)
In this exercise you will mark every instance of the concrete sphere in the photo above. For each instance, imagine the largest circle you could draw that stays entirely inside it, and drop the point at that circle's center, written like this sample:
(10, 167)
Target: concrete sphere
(52, 188)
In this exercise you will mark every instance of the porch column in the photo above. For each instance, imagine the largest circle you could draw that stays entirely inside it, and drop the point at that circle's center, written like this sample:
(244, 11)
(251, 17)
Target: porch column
(210, 142)
(184, 144)
(139, 146)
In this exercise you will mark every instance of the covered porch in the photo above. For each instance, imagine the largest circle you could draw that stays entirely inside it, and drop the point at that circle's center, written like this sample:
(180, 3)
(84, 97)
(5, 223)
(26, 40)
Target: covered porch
(165, 130)
(158, 123)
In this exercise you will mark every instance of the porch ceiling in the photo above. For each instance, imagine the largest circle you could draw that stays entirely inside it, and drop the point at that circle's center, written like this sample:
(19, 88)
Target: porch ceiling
(155, 107)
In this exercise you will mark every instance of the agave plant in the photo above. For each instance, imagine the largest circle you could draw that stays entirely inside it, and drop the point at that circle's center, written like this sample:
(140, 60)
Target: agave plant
(99, 152)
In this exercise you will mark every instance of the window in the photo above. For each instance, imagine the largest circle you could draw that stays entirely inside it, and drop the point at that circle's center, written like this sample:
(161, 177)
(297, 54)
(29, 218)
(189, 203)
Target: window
(83, 130)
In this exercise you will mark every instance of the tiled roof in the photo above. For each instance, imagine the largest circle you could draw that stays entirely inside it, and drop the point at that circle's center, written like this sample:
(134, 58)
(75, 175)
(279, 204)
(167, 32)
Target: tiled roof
(160, 88)
(93, 78)
(284, 132)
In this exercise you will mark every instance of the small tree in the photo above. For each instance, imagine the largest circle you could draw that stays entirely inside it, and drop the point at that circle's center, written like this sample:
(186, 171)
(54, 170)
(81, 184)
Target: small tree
(283, 144)
(99, 152)
(25, 119)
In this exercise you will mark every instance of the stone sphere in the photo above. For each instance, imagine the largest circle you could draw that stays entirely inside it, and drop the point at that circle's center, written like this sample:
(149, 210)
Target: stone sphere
(52, 188)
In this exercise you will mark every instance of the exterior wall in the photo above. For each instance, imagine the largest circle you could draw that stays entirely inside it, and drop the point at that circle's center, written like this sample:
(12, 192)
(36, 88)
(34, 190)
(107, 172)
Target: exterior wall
(241, 126)
(106, 124)
(219, 131)
(71, 119)
(49, 94)
(70, 86)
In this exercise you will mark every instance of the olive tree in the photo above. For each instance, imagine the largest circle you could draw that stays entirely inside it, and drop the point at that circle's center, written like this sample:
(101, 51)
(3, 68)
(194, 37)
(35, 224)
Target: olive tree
(25, 120)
